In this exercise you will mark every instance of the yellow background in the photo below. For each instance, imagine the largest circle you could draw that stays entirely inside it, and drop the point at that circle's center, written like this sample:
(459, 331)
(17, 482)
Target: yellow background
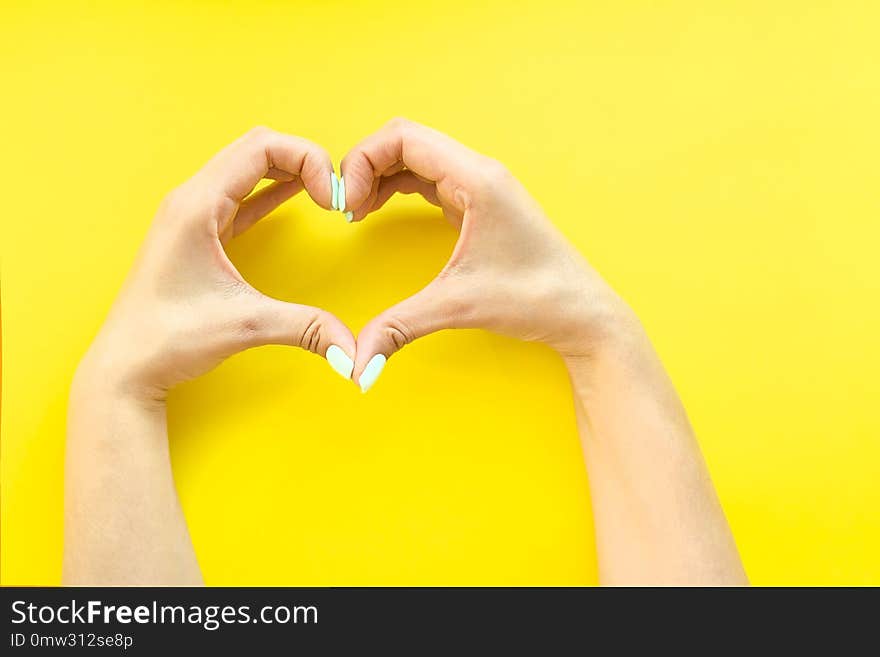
(717, 161)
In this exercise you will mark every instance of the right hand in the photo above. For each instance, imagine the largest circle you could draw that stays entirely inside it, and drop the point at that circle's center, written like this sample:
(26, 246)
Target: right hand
(511, 271)
(185, 307)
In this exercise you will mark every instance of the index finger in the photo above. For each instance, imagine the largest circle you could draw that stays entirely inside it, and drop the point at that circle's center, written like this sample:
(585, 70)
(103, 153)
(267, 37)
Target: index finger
(235, 170)
(429, 154)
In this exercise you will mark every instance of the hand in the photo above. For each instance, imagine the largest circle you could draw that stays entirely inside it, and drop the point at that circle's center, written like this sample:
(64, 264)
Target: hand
(511, 271)
(184, 307)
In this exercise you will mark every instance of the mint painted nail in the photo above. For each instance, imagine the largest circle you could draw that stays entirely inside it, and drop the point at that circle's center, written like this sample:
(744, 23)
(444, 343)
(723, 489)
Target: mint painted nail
(334, 191)
(349, 216)
(340, 198)
(339, 361)
(371, 372)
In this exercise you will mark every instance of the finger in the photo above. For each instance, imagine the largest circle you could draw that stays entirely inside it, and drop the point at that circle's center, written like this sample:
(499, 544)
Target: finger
(235, 170)
(431, 155)
(367, 206)
(270, 321)
(259, 204)
(403, 182)
(279, 175)
(432, 309)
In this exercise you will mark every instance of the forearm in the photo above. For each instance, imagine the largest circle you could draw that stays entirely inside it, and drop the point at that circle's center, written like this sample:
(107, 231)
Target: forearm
(657, 516)
(123, 520)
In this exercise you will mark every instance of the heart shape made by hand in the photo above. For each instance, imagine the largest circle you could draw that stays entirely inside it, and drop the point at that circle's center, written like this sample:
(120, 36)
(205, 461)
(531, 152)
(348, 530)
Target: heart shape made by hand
(377, 173)
(337, 358)
(510, 272)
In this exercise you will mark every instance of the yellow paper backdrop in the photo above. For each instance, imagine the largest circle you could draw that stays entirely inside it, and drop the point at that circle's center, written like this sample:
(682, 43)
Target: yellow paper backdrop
(717, 161)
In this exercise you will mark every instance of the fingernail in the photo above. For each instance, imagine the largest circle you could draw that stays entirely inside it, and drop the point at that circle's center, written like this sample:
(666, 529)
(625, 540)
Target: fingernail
(334, 191)
(340, 198)
(339, 361)
(349, 216)
(371, 372)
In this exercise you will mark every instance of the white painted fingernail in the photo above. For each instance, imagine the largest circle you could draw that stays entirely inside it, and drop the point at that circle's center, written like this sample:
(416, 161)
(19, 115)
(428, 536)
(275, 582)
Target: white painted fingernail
(340, 198)
(339, 361)
(371, 372)
(349, 216)
(334, 191)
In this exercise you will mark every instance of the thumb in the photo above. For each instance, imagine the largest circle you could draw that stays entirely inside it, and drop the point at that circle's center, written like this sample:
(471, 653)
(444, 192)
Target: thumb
(434, 308)
(270, 321)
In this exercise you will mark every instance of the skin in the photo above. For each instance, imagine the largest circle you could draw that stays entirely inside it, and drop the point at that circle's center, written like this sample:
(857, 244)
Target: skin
(656, 514)
(657, 517)
(183, 309)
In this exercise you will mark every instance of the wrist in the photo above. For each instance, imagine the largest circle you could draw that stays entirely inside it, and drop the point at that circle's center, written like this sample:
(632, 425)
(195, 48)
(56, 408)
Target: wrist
(104, 373)
(597, 321)
(617, 349)
(108, 421)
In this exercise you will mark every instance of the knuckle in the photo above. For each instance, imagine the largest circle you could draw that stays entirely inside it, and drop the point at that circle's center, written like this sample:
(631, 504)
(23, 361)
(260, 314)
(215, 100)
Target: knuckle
(182, 208)
(176, 200)
(194, 201)
(397, 333)
(488, 176)
(494, 171)
(218, 206)
(402, 127)
(311, 336)
(399, 123)
(259, 132)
